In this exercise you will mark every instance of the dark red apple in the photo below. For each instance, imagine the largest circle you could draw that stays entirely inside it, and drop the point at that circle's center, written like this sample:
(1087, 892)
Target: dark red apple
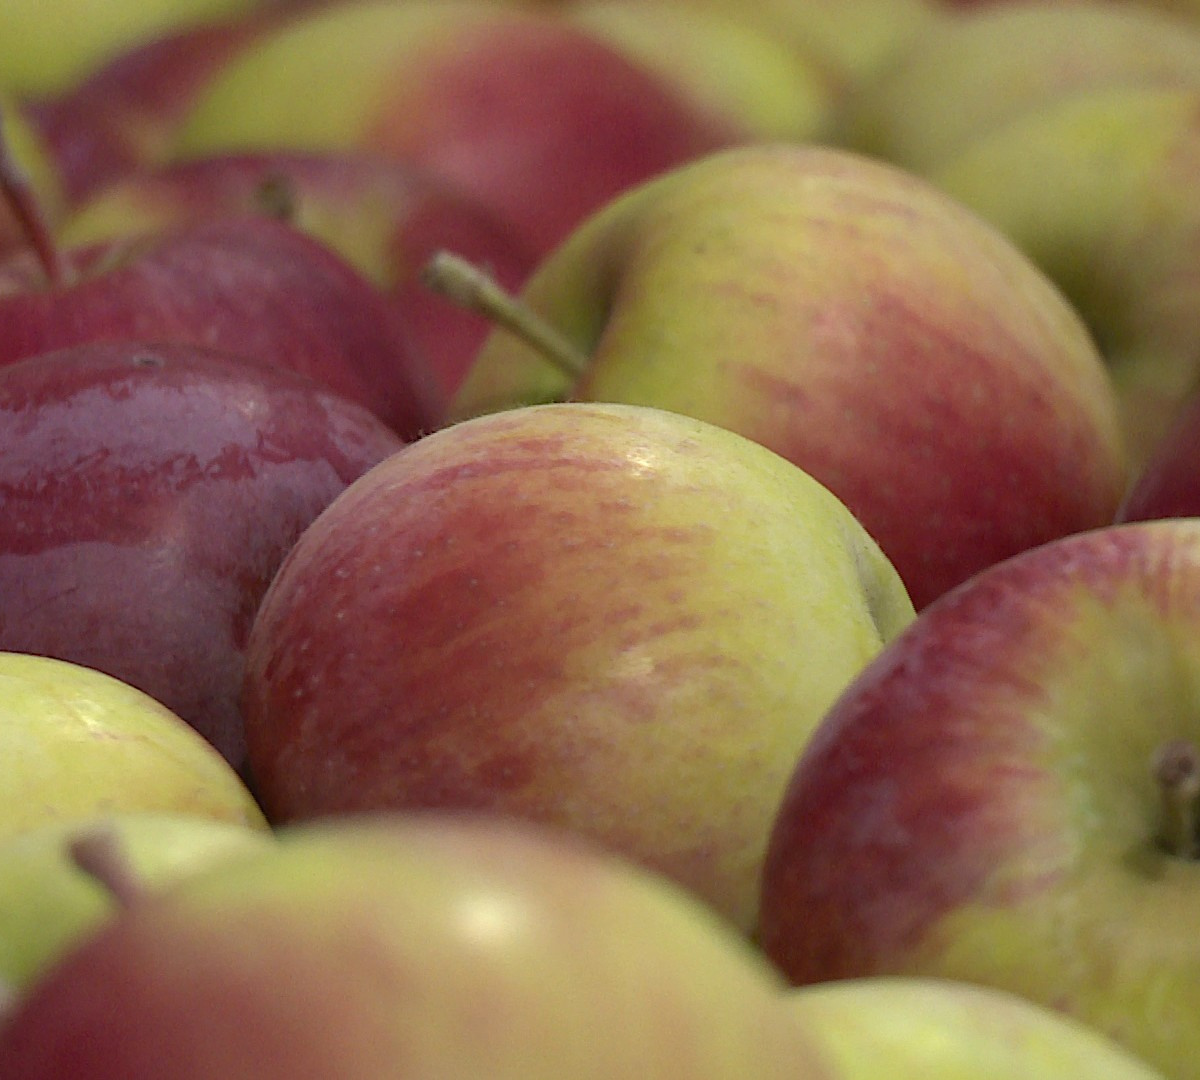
(384, 216)
(147, 495)
(249, 286)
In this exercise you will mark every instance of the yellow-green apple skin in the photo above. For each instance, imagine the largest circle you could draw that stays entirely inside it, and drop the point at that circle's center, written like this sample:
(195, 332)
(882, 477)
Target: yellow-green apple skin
(914, 1028)
(975, 68)
(730, 63)
(429, 949)
(981, 802)
(46, 47)
(48, 902)
(76, 742)
(1099, 190)
(857, 321)
(538, 119)
(32, 157)
(612, 619)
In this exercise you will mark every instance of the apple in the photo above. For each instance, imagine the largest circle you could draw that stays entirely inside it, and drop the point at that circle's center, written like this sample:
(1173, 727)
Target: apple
(1007, 795)
(974, 68)
(421, 947)
(943, 1029)
(43, 50)
(731, 63)
(1099, 190)
(854, 319)
(535, 118)
(249, 286)
(48, 903)
(121, 116)
(1168, 483)
(616, 620)
(76, 742)
(149, 494)
(29, 160)
(383, 216)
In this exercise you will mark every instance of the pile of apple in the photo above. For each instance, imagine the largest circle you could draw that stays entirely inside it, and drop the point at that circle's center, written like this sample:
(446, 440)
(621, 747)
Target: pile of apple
(599, 539)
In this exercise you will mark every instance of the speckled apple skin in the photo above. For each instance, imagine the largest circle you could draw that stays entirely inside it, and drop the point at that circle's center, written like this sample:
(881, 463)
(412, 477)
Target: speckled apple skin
(980, 802)
(614, 619)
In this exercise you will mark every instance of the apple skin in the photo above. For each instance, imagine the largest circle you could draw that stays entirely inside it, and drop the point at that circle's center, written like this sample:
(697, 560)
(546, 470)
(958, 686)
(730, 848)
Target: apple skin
(248, 286)
(1098, 188)
(48, 903)
(857, 321)
(41, 55)
(729, 62)
(973, 69)
(33, 157)
(77, 742)
(121, 117)
(428, 948)
(979, 804)
(148, 494)
(585, 615)
(941, 1029)
(383, 216)
(1168, 484)
(534, 118)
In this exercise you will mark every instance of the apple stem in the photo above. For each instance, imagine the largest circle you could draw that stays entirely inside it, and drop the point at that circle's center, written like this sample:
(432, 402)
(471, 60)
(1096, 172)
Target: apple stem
(275, 197)
(1176, 767)
(23, 201)
(100, 854)
(475, 290)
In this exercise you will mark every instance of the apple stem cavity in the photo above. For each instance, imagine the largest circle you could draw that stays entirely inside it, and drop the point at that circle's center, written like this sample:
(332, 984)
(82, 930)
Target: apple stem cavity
(21, 198)
(1176, 768)
(473, 289)
(100, 853)
(275, 197)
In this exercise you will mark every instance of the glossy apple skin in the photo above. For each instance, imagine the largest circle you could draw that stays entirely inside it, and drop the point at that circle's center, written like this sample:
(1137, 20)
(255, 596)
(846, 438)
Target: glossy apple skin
(612, 619)
(856, 321)
(147, 496)
(1168, 483)
(531, 116)
(383, 216)
(420, 947)
(247, 286)
(979, 803)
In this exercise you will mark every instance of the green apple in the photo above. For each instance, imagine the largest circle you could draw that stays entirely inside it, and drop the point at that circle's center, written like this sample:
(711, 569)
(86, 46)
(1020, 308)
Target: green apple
(48, 903)
(856, 320)
(533, 116)
(76, 742)
(1008, 795)
(1099, 189)
(424, 948)
(731, 64)
(913, 1028)
(44, 48)
(617, 620)
(977, 67)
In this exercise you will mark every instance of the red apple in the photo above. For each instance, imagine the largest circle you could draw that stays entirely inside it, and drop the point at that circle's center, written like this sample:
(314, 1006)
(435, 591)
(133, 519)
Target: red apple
(618, 620)
(414, 948)
(1008, 795)
(121, 117)
(148, 493)
(384, 216)
(852, 318)
(250, 286)
(534, 117)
